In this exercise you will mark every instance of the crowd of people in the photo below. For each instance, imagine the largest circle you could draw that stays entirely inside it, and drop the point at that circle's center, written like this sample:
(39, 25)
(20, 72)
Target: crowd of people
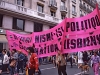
(15, 62)
(84, 60)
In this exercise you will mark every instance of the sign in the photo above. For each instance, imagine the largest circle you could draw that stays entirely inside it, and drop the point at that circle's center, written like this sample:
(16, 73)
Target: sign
(48, 42)
(71, 35)
(19, 41)
(82, 33)
(84, 24)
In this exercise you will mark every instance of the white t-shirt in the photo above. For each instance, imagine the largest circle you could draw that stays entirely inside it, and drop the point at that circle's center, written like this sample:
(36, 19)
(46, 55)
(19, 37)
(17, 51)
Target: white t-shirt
(80, 56)
(5, 59)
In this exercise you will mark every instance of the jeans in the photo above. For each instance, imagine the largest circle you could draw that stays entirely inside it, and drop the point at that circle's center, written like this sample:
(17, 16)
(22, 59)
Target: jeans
(62, 70)
(20, 65)
(39, 72)
(11, 69)
(40, 60)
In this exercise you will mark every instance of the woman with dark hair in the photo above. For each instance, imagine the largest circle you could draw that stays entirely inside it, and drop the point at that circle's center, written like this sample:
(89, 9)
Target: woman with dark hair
(95, 63)
(32, 64)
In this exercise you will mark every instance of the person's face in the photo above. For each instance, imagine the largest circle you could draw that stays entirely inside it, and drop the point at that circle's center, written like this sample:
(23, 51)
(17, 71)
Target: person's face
(12, 51)
(3, 52)
(19, 52)
(59, 52)
(95, 53)
(28, 51)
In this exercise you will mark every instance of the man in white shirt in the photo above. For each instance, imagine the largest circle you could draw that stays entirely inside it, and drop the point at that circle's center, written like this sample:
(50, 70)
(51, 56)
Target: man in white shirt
(5, 60)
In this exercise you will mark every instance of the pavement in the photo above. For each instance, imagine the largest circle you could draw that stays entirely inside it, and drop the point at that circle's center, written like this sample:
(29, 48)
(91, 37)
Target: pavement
(51, 70)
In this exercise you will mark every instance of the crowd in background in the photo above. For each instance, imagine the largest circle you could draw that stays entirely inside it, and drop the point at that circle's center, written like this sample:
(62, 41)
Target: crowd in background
(14, 62)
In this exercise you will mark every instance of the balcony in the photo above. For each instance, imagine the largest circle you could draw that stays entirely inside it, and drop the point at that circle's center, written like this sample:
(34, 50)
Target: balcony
(82, 6)
(74, 13)
(20, 10)
(89, 10)
(53, 4)
(74, 1)
(63, 0)
(91, 3)
(41, 14)
(63, 9)
(81, 15)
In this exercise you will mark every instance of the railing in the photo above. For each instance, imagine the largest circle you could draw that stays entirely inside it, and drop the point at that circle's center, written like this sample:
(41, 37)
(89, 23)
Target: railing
(74, 1)
(89, 10)
(63, 0)
(91, 2)
(26, 11)
(53, 3)
(82, 6)
(63, 8)
(81, 15)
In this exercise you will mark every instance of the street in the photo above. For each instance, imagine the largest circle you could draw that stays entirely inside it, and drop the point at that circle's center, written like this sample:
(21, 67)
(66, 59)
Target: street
(51, 70)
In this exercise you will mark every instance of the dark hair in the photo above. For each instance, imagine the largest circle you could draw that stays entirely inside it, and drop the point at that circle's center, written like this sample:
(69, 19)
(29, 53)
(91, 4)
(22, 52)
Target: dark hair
(95, 52)
(4, 51)
(31, 49)
(12, 59)
(14, 50)
(33, 45)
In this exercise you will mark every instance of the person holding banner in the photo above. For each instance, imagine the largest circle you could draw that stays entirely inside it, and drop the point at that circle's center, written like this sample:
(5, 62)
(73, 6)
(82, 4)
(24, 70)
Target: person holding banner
(61, 63)
(39, 71)
(95, 63)
(32, 64)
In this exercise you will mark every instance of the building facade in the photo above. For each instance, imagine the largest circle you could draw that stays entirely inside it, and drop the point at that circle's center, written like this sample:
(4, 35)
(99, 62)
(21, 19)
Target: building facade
(26, 16)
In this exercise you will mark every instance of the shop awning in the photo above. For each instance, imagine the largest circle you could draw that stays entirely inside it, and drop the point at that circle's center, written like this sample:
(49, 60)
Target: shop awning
(3, 39)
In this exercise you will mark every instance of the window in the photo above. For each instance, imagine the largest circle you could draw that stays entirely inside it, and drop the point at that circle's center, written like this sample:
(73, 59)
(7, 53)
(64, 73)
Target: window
(1, 19)
(18, 24)
(80, 1)
(84, 4)
(80, 11)
(51, 27)
(20, 2)
(38, 27)
(87, 6)
(63, 16)
(53, 13)
(1, 47)
(40, 8)
(74, 0)
(84, 13)
(62, 3)
(90, 8)
(73, 8)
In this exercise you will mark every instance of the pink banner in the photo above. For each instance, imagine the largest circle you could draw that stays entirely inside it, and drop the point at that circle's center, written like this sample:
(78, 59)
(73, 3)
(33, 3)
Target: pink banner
(82, 42)
(83, 24)
(73, 34)
(49, 40)
(19, 41)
